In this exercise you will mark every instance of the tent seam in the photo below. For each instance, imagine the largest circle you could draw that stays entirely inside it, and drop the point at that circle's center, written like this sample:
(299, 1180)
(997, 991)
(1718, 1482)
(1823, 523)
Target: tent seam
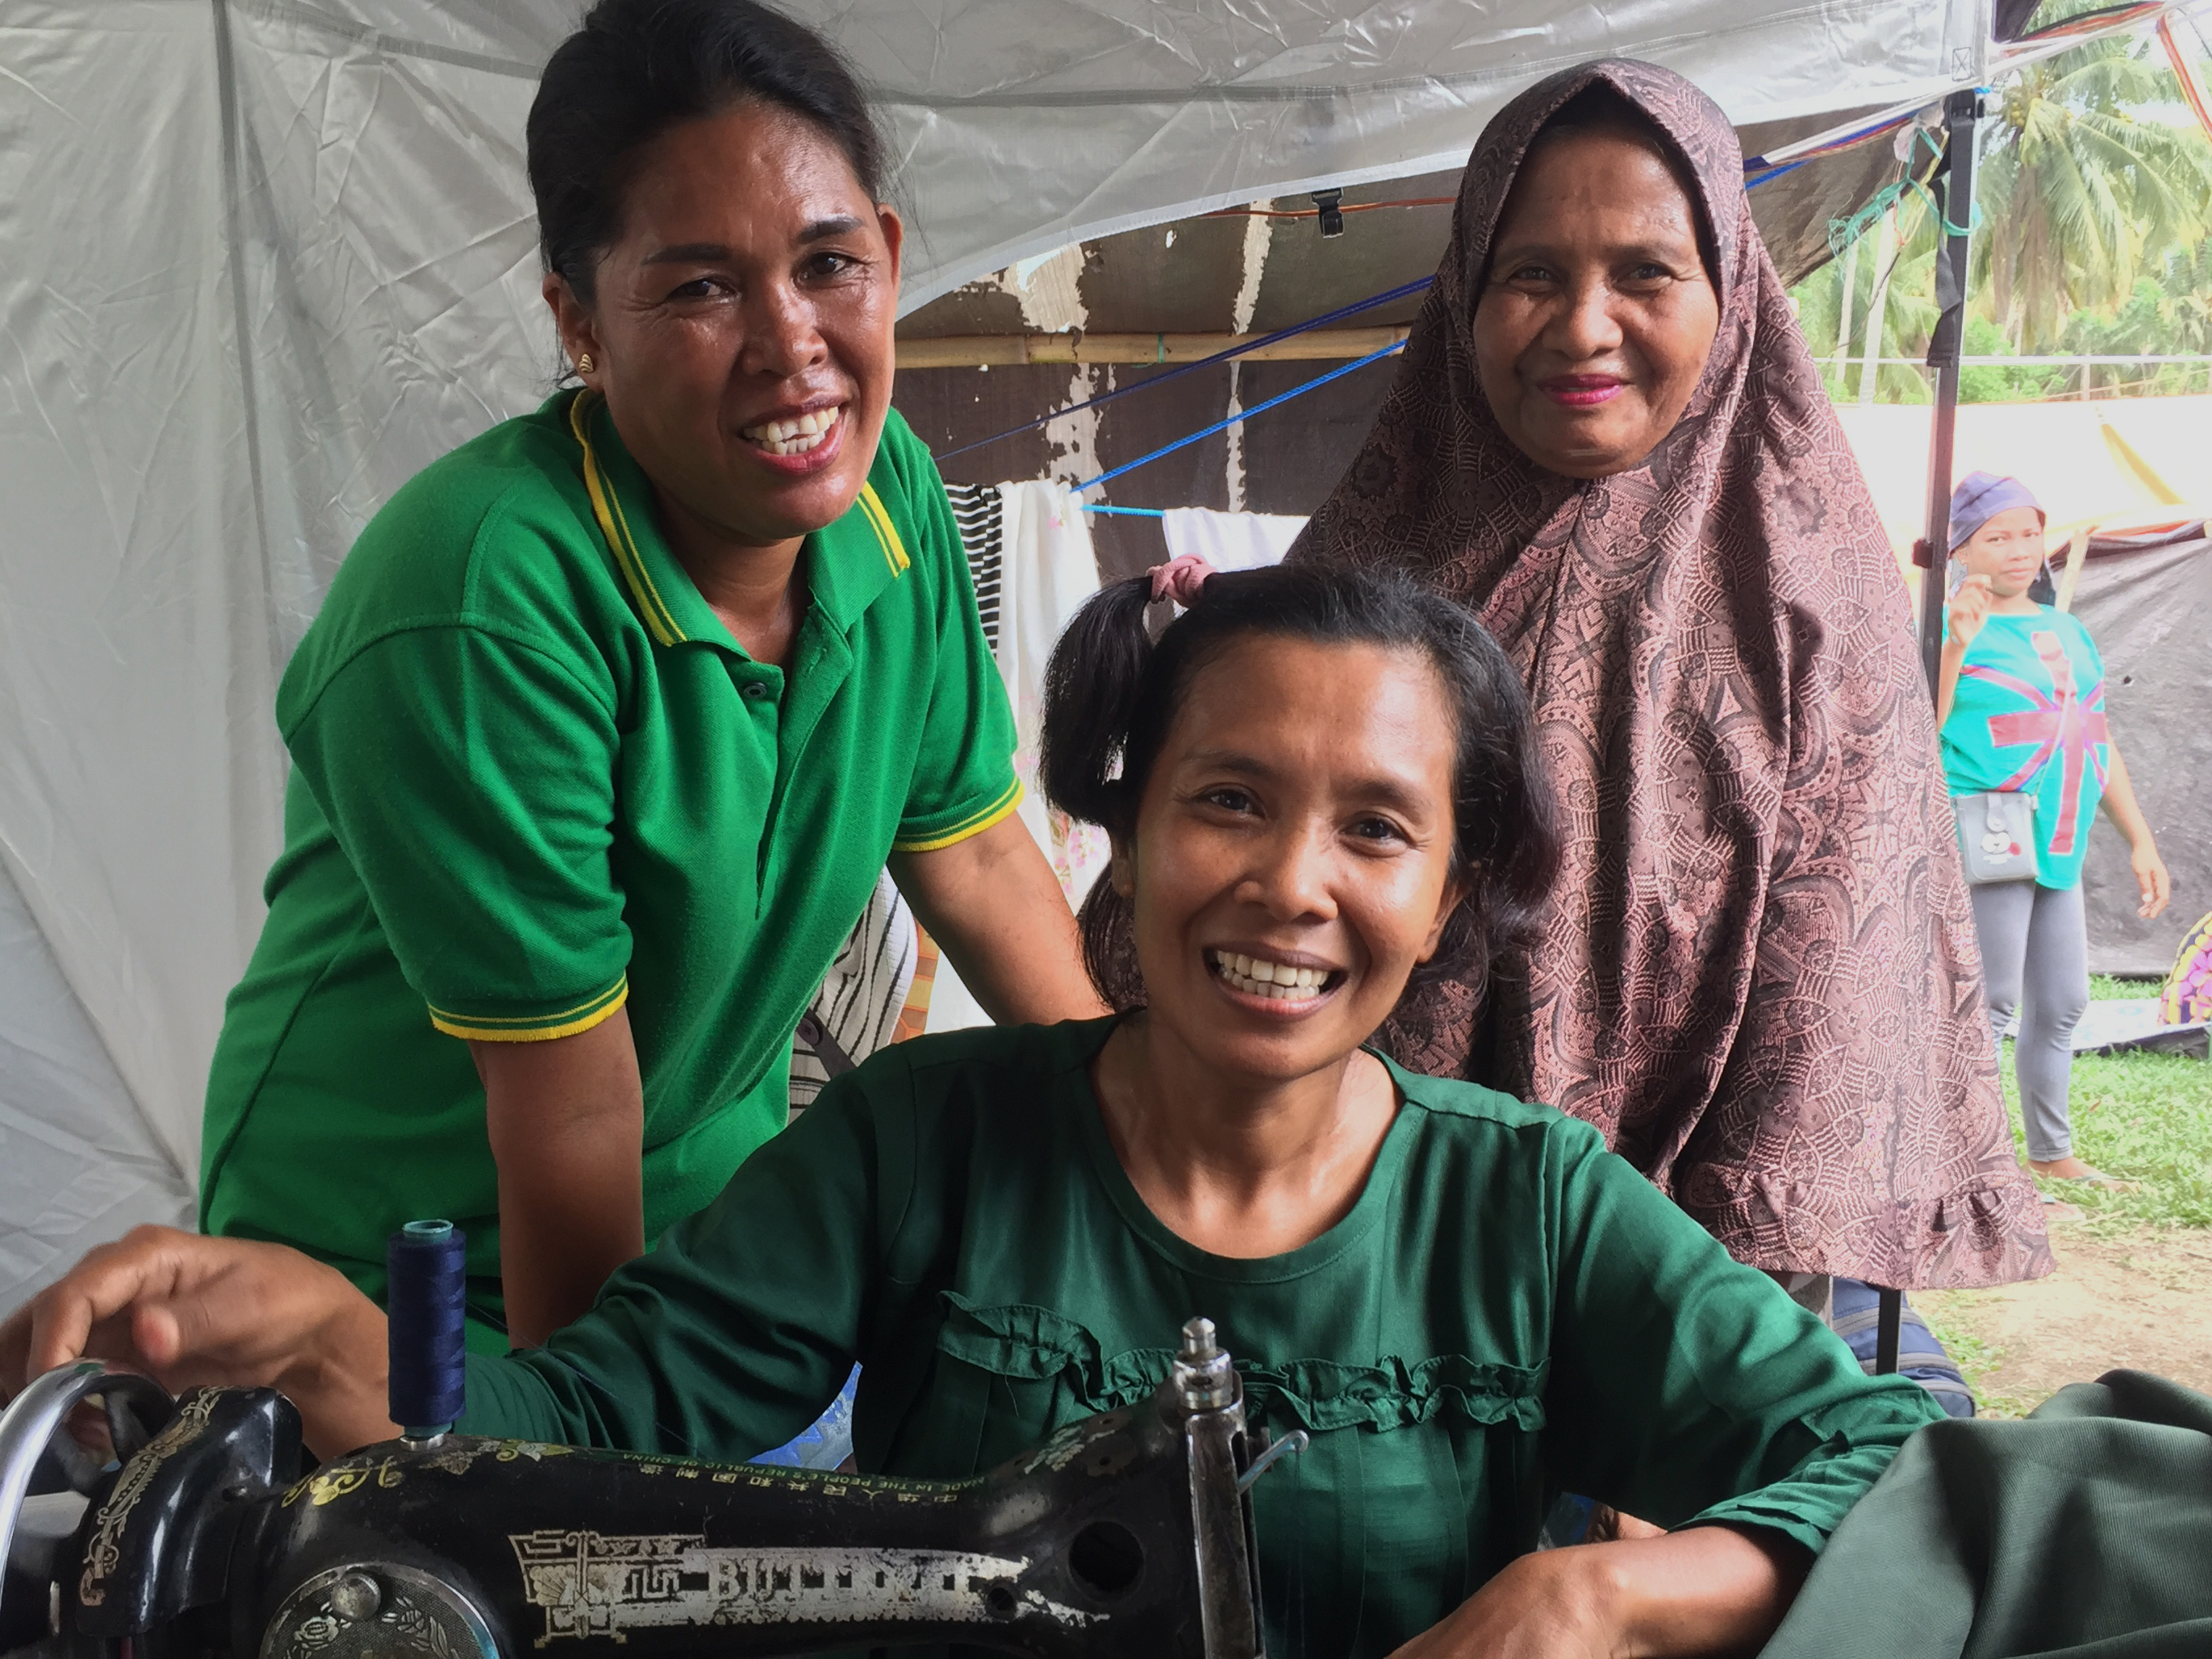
(392, 45)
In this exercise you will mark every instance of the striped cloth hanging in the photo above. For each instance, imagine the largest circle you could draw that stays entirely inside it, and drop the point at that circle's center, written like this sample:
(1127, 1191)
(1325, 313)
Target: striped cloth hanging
(877, 991)
(980, 513)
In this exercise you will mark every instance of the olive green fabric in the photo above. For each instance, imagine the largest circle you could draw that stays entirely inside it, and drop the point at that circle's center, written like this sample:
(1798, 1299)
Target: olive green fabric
(1507, 1309)
(2083, 1533)
(534, 777)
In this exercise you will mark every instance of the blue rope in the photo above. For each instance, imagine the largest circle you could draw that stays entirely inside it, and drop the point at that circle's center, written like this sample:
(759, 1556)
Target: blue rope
(1773, 173)
(1124, 512)
(1257, 409)
(1402, 291)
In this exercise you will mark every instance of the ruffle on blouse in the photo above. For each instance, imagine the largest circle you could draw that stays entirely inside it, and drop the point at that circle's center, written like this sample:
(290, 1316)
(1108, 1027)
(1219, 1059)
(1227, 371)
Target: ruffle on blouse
(1035, 1344)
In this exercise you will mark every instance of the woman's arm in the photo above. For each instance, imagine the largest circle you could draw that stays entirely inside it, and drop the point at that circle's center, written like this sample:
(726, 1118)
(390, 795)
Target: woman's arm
(729, 1339)
(2151, 878)
(567, 1122)
(1704, 1590)
(1963, 618)
(187, 1309)
(1689, 1389)
(992, 904)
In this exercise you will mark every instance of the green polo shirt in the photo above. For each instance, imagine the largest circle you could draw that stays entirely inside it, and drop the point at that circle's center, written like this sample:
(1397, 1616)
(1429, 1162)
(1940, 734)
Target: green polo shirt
(534, 779)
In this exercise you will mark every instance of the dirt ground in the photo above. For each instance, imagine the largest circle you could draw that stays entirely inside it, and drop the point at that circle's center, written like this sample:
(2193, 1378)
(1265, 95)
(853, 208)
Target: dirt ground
(2140, 1299)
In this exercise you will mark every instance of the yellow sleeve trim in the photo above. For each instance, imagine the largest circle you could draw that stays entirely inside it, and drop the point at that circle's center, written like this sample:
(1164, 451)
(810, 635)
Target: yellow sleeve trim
(880, 519)
(540, 1028)
(999, 810)
(614, 524)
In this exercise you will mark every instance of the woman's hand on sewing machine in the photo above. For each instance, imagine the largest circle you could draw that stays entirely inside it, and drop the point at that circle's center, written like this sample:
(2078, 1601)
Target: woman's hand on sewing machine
(187, 1309)
(1704, 1590)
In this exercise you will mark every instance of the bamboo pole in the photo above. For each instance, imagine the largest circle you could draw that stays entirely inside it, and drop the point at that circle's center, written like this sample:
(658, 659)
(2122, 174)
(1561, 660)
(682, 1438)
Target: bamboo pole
(1961, 112)
(993, 350)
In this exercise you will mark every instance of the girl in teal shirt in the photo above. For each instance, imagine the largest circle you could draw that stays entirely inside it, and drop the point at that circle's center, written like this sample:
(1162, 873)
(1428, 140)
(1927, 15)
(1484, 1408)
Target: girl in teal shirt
(2021, 700)
(1320, 785)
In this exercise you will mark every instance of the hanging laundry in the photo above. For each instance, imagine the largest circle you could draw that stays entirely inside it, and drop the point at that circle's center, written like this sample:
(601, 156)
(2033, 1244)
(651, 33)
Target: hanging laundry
(1031, 559)
(980, 512)
(885, 962)
(1046, 571)
(857, 1009)
(1035, 556)
(1230, 541)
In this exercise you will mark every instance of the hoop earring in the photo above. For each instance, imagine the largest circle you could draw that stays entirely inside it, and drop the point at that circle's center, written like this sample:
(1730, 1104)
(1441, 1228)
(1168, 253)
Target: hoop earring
(584, 364)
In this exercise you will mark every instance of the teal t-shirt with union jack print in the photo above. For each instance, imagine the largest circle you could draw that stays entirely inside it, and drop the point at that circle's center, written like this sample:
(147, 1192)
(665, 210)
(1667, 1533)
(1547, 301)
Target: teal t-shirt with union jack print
(2029, 715)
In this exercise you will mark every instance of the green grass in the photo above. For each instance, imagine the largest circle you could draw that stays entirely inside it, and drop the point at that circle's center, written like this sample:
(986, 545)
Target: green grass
(2146, 1118)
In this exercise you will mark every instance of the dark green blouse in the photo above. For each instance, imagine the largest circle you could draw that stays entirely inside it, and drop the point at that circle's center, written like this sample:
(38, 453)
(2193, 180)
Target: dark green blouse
(1508, 1311)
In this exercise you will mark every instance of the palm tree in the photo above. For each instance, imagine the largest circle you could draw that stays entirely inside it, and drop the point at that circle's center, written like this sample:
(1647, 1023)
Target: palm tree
(2078, 196)
(2185, 305)
(2079, 199)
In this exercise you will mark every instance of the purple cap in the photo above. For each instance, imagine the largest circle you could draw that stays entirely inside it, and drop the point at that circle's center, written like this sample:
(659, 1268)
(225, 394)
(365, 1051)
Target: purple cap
(1980, 497)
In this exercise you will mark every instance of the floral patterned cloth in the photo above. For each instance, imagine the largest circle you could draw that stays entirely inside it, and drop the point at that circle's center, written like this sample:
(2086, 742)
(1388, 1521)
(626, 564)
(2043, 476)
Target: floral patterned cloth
(1757, 975)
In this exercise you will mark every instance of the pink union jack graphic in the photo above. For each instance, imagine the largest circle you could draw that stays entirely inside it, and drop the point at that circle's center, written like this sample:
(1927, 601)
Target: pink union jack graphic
(2061, 723)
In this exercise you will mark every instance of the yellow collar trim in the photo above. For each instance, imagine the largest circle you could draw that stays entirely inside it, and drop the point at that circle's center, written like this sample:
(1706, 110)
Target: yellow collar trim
(880, 519)
(614, 524)
(606, 507)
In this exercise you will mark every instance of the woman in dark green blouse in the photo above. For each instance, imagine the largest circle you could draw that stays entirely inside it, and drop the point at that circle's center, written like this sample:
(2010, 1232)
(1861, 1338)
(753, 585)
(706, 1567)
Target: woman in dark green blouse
(1319, 785)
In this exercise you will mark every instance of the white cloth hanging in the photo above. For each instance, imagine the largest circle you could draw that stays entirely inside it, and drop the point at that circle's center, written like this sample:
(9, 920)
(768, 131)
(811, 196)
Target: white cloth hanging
(1230, 541)
(1046, 569)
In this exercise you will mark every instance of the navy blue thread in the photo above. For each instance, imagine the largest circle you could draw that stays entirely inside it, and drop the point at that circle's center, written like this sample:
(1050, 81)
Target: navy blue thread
(426, 1319)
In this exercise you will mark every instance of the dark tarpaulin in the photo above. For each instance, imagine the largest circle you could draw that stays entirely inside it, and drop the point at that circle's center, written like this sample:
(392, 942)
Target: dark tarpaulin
(2150, 609)
(2084, 1533)
(1185, 278)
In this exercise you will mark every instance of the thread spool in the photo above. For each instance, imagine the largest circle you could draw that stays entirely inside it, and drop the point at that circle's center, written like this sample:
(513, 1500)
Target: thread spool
(427, 1320)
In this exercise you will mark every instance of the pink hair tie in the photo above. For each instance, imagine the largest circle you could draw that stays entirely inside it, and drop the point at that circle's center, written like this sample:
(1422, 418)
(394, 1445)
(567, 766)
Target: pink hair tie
(1181, 578)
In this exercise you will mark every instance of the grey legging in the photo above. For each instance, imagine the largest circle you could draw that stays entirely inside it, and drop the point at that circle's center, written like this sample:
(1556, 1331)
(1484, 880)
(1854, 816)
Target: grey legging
(2035, 958)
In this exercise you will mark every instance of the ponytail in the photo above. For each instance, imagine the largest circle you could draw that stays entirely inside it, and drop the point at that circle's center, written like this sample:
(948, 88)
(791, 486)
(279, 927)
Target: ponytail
(1093, 688)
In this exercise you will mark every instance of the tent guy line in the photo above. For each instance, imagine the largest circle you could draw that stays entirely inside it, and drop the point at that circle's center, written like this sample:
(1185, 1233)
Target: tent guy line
(1279, 398)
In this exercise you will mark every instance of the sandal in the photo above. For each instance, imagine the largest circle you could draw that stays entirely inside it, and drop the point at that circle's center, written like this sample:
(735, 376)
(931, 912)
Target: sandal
(2099, 1179)
(2093, 1178)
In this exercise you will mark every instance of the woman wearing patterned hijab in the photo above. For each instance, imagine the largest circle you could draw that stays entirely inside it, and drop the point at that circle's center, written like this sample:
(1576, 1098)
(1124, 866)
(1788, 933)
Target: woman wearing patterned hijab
(1758, 976)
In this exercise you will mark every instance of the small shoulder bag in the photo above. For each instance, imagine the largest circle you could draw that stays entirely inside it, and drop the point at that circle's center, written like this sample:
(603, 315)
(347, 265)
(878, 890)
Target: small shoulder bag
(1997, 835)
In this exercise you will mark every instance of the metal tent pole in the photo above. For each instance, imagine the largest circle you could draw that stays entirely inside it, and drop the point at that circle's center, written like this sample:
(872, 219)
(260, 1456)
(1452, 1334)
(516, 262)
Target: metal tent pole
(1889, 1325)
(1961, 109)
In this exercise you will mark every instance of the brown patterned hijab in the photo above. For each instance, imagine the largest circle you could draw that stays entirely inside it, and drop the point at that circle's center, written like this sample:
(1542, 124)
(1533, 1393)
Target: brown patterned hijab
(1759, 975)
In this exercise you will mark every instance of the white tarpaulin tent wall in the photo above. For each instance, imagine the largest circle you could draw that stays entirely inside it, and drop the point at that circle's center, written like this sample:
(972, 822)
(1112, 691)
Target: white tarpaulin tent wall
(2089, 462)
(266, 258)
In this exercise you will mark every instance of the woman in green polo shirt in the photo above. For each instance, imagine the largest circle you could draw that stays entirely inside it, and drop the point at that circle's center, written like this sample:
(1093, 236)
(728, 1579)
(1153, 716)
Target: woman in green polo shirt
(614, 715)
(1328, 784)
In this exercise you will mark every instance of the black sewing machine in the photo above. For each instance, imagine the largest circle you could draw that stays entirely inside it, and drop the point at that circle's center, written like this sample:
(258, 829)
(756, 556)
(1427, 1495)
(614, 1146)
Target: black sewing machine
(1128, 1534)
